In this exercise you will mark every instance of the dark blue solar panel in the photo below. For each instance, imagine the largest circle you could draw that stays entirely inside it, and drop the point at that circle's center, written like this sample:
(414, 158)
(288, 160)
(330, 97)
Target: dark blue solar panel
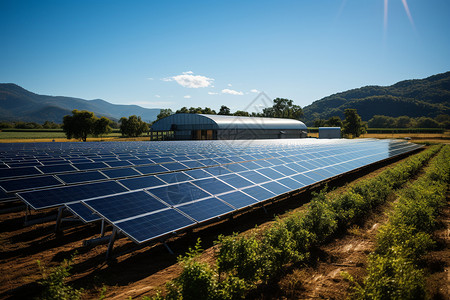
(197, 174)
(238, 199)
(235, 180)
(162, 160)
(90, 166)
(315, 175)
(151, 226)
(122, 172)
(176, 166)
(235, 167)
(259, 193)
(58, 196)
(222, 160)
(284, 170)
(250, 165)
(14, 185)
(152, 169)
(57, 168)
(122, 206)
(119, 163)
(24, 164)
(304, 179)
(254, 176)
(84, 213)
(178, 193)
(138, 183)
(25, 171)
(291, 183)
(138, 162)
(216, 171)
(213, 185)
(307, 165)
(174, 177)
(264, 163)
(82, 177)
(193, 164)
(208, 162)
(297, 167)
(205, 209)
(276, 188)
(272, 174)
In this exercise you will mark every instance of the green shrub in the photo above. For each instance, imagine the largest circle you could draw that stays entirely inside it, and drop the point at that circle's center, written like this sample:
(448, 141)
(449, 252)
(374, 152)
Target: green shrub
(54, 282)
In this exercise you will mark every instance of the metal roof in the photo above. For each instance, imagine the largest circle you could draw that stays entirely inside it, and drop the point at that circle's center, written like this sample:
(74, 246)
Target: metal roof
(203, 121)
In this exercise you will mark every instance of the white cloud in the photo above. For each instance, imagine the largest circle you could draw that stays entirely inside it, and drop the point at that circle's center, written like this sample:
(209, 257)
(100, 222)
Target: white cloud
(149, 78)
(212, 93)
(192, 81)
(167, 79)
(188, 73)
(231, 92)
(187, 97)
(157, 96)
(254, 91)
(229, 84)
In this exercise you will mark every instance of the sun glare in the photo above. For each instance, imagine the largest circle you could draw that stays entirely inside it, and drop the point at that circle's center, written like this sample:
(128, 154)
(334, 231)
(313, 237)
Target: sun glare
(408, 13)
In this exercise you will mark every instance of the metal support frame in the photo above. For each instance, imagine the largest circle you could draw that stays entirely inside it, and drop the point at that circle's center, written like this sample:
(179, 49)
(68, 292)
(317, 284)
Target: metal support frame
(168, 248)
(59, 219)
(111, 243)
(27, 213)
(102, 230)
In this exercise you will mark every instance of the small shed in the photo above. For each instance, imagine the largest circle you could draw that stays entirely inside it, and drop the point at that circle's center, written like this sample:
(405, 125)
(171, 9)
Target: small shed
(220, 127)
(329, 132)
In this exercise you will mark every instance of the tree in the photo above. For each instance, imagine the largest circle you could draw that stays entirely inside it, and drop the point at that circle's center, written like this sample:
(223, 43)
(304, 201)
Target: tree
(183, 110)
(208, 111)
(283, 108)
(353, 125)
(319, 123)
(133, 126)
(241, 113)
(380, 121)
(50, 125)
(101, 126)
(225, 111)
(334, 122)
(403, 122)
(424, 122)
(165, 112)
(79, 124)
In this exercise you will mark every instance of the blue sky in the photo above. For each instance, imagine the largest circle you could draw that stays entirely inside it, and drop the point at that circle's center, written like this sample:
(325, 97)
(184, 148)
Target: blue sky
(169, 54)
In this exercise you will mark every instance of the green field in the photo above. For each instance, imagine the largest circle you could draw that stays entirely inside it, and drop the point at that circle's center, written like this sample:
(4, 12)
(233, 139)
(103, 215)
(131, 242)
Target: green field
(30, 134)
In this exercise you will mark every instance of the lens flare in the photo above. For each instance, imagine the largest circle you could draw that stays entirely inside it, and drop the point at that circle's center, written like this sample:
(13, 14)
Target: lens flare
(408, 13)
(405, 4)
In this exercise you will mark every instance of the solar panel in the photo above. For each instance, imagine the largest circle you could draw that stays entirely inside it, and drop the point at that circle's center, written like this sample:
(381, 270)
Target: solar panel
(238, 199)
(141, 182)
(178, 193)
(152, 169)
(174, 177)
(67, 194)
(15, 172)
(122, 172)
(29, 183)
(213, 185)
(123, 206)
(56, 168)
(235, 181)
(79, 177)
(206, 209)
(154, 225)
(83, 212)
(259, 193)
(90, 165)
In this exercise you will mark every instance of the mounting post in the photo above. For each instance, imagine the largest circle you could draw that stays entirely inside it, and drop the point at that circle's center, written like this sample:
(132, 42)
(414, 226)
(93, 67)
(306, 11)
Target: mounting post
(59, 219)
(111, 243)
(103, 228)
(27, 212)
(168, 248)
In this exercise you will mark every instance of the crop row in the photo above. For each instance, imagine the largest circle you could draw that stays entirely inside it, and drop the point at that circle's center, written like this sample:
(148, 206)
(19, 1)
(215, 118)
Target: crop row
(243, 262)
(393, 271)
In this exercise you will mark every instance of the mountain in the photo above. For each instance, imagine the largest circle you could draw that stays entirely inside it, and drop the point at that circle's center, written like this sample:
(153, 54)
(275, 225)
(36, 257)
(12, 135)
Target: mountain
(18, 104)
(427, 97)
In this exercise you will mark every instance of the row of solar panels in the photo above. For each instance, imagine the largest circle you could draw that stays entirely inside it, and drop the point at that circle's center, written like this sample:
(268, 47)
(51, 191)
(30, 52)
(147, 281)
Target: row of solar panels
(22, 184)
(185, 198)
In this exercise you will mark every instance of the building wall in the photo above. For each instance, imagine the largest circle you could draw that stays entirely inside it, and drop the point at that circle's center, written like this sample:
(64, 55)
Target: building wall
(329, 132)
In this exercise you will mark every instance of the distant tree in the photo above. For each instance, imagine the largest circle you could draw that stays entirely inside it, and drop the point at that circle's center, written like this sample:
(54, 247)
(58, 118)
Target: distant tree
(79, 124)
(319, 123)
(241, 113)
(283, 108)
(50, 125)
(165, 112)
(380, 121)
(443, 120)
(334, 122)
(195, 110)
(403, 122)
(224, 111)
(6, 125)
(133, 126)
(208, 111)
(27, 125)
(353, 125)
(183, 110)
(424, 122)
(101, 127)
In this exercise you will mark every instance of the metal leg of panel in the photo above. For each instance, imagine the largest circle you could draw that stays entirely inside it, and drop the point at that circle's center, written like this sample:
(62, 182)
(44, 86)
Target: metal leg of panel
(27, 212)
(102, 232)
(168, 248)
(111, 243)
(59, 219)
(264, 208)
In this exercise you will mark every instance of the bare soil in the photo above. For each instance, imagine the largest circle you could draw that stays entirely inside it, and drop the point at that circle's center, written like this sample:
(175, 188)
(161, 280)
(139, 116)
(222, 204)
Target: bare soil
(144, 271)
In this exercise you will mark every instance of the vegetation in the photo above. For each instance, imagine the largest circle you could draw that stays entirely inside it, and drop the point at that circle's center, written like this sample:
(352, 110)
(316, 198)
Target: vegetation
(334, 121)
(393, 269)
(82, 123)
(419, 98)
(243, 262)
(133, 126)
(353, 125)
(54, 284)
(380, 121)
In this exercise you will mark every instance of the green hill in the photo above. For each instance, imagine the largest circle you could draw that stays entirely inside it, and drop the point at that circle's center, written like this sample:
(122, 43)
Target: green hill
(427, 97)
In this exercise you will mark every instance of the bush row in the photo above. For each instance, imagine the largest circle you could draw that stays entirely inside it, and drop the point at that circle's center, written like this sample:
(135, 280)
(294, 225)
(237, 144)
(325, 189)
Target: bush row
(242, 262)
(393, 271)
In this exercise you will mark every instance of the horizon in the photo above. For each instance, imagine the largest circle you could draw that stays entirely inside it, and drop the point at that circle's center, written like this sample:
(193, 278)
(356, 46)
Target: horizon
(170, 55)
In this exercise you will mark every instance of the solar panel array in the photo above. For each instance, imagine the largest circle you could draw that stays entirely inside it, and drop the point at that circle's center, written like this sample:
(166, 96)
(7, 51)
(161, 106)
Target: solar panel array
(148, 190)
